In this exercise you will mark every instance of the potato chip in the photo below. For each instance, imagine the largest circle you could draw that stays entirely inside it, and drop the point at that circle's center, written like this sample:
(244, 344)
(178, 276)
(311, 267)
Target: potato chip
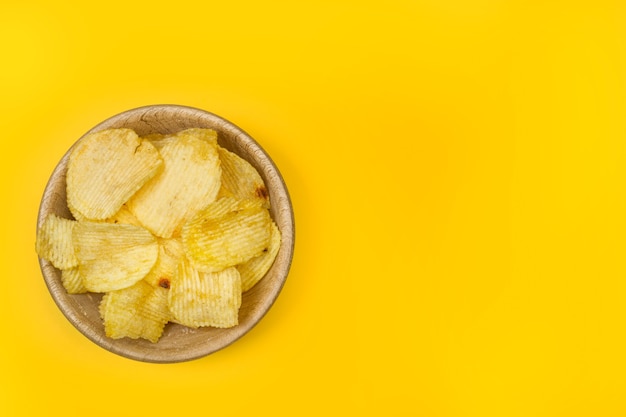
(189, 181)
(218, 239)
(254, 269)
(103, 304)
(113, 256)
(75, 213)
(54, 242)
(224, 193)
(139, 311)
(124, 216)
(242, 179)
(170, 254)
(72, 281)
(106, 168)
(153, 137)
(207, 135)
(205, 299)
(223, 206)
(159, 140)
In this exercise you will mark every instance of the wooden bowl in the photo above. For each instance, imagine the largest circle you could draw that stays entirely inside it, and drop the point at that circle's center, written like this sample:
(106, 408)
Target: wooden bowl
(178, 343)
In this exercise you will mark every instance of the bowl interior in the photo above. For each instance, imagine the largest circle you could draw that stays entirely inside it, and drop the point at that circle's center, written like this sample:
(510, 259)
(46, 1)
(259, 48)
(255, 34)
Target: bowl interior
(178, 343)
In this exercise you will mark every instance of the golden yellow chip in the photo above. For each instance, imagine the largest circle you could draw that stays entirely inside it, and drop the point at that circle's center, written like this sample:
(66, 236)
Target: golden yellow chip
(189, 181)
(218, 239)
(113, 256)
(170, 255)
(124, 216)
(75, 213)
(198, 299)
(223, 206)
(73, 281)
(241, 179)
(103, 304)
(139, 311)
(153, 137)
(254, 269)
(54, 242)
(159, 140)
(105, 169)
(208, 135)
(224, 193)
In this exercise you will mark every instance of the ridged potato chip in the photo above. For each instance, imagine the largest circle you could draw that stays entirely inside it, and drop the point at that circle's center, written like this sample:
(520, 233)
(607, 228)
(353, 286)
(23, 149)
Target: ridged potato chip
(139, 311)
(124, 216)
(103, 304)
(205, 298)
(54, 242)
(154, 138)
(113, 256)
(224, 193)
(223, 206)
(218, 239)
(72, 281)
(170, 254)
(159, 140)
(241, 179)
(207, 135)
(254, 269)
(75, 213)
(190, 180)
(105, 169)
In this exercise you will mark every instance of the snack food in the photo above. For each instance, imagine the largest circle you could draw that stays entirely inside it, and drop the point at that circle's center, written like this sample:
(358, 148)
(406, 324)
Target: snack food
(112, 256)
(226, 233)
(160, 253)
(105, 169)
(255, 268)
(190, 179)
(205, 298)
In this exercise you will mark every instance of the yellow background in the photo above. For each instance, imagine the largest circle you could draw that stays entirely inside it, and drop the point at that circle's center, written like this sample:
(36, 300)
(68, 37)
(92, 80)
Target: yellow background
(458, 175)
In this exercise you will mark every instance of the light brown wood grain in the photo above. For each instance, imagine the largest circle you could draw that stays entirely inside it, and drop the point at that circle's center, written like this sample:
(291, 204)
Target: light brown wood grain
(178, 343)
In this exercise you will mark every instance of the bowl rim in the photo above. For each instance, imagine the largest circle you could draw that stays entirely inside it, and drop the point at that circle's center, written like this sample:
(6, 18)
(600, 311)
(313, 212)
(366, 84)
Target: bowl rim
(50, 274)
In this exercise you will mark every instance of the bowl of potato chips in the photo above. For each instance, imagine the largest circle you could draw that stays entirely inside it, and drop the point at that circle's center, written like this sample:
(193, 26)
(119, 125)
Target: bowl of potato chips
(165, 233)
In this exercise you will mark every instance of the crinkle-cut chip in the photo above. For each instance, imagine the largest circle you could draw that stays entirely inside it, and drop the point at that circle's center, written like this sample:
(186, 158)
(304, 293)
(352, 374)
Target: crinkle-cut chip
(75, 213)
(152, 137)
(208, 135)
(241, 178)
(54, 242)
(224, 193)
(113, 256)
(254, 269)
(223, 206)
(72, 281)
(170, 254)
(190, 180)
(215, 243)
(159, 140)
(105, 169)
(139, 311)
(199, 299)
(103, 304)
(124, 216)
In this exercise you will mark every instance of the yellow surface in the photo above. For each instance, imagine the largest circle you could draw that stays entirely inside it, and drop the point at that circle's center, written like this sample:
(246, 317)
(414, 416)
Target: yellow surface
(457, 169)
